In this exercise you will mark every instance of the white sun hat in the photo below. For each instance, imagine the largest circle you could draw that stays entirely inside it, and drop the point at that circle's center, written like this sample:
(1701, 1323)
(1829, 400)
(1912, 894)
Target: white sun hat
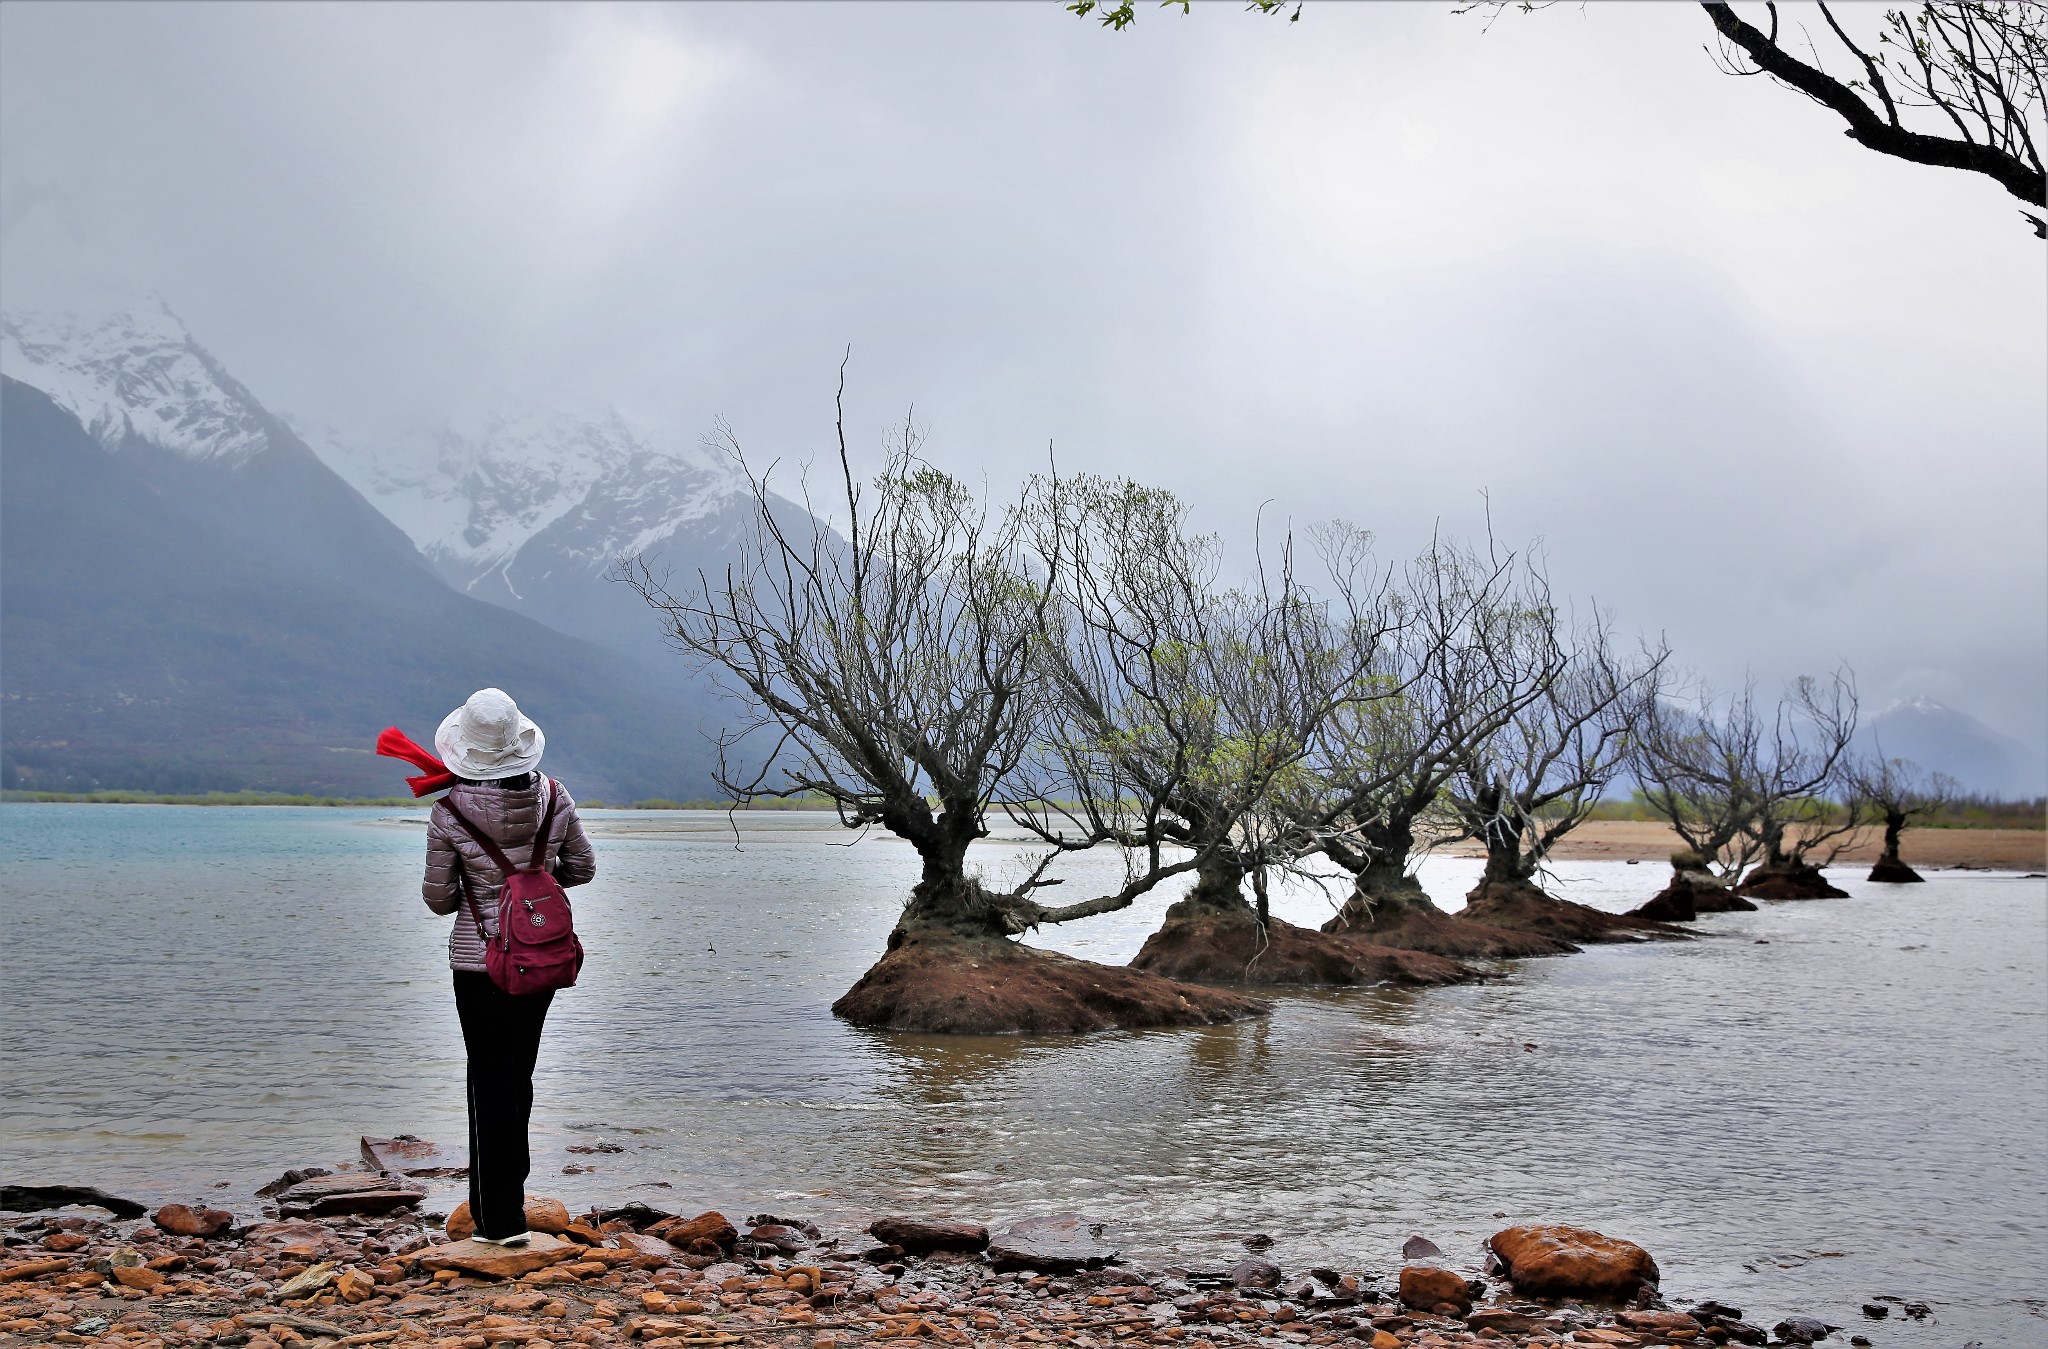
(488, 737)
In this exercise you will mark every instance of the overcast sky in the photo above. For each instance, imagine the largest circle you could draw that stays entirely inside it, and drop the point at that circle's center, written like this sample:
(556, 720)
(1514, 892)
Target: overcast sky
(1755, 387)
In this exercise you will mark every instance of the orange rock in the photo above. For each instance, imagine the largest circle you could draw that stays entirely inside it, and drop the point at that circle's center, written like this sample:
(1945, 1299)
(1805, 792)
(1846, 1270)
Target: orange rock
(1382, 1340)
(63, 1241)
(1664, 1323)
(185, 1221)
(639, 1243)
(352, 1285)
(138, 1276)
(33, 1269)
(496, 1262)
(1553, 1260)
(1423, 1287)
(713, 1229)
(542, 1215)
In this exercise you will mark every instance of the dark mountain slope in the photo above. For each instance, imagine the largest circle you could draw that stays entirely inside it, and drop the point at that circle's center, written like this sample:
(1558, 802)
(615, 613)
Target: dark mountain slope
(163, 630)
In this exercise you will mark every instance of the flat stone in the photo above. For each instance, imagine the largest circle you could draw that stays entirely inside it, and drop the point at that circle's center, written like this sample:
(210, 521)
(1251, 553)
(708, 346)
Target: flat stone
(642, 1244)
(349, 1192)
(37, 1198)
(499, 1262)
(920, 1237)
(408, 1155)
(1503, 1320)
(1058, 1244)
(1664, 1323)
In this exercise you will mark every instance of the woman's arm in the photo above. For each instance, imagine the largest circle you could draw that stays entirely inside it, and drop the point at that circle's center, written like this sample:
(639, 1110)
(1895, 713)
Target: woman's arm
(442, 888)
(576, 864)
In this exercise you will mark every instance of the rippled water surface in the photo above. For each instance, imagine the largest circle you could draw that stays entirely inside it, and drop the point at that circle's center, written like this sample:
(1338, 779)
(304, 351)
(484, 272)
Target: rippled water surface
(1819, 1103)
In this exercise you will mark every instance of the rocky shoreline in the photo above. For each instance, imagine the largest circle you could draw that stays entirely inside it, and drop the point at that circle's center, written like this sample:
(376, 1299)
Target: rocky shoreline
(347, 1258)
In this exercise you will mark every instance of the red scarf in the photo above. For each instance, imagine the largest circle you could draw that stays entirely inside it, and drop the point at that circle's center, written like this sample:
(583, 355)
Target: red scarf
(392, 743)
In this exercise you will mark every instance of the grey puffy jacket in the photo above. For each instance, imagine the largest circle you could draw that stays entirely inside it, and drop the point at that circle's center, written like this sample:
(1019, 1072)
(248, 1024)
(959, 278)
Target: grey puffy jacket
(510, 818)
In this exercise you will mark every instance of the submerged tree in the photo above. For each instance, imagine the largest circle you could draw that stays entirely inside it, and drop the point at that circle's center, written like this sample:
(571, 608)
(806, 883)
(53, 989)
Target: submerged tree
(1522, 788)
(1183, 706)
(1899, 791)
(1743, 785)
(1381, 762)
(895, 673)
(1376, 793)
(1505, 727)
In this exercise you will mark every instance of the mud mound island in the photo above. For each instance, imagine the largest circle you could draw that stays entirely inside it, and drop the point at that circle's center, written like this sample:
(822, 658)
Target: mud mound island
(941, 982)
(1230, 946)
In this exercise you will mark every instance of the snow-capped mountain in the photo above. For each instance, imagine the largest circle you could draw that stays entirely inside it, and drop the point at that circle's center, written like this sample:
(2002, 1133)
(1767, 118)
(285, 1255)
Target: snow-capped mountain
(136, 377)
(531, 498)
(193, 599)
(144, 388)
(1941, 739)
(527, 508)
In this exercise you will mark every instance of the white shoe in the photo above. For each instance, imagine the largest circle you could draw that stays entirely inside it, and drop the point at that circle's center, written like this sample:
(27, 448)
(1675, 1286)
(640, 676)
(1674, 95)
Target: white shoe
(519, 1240)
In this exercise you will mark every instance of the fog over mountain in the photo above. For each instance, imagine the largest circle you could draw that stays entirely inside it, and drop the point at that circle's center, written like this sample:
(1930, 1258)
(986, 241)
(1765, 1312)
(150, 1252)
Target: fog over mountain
(192, 601)
(1943, 740)
(501, 269)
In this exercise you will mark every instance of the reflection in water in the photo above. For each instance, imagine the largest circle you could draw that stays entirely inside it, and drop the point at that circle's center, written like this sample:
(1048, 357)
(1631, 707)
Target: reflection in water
(218, 994)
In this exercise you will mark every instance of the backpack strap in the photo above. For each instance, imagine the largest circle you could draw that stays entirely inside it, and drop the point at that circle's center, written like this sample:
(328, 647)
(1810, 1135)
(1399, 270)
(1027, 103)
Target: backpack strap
(538, 861)
(542, 836)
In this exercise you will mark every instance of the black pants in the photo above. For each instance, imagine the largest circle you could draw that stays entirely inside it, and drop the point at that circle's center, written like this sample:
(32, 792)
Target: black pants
(501, 1031)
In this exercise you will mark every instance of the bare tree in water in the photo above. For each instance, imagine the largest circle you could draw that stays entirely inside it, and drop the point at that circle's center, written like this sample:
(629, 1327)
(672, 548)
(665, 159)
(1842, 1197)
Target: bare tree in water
(1507, 725)
(1181, 705)
(1537, 777)
(1743, 784)
(1443, 682)
(896, 672)
(1898, 791)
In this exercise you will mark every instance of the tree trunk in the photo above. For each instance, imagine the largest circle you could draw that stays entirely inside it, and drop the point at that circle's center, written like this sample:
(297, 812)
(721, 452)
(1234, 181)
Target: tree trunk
(1219, 884)
(1505, 860)
(945, 897)
(1384, 885)
(1889, 867)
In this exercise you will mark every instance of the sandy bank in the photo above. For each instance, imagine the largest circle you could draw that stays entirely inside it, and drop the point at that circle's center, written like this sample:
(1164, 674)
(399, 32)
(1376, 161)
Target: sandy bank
(1996, 849)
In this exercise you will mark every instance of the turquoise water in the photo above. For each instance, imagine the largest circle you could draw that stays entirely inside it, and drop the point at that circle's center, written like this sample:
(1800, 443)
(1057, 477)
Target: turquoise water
(1857, 1107)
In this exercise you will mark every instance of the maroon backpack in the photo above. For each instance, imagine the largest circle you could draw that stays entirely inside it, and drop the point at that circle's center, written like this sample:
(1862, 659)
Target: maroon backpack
(536, 947)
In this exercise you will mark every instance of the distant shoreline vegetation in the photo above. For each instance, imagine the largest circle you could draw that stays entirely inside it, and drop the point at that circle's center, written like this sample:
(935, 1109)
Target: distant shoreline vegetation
(124, 798)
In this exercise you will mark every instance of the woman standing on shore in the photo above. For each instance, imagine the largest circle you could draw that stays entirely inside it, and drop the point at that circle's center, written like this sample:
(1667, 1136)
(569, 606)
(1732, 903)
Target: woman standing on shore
(493, 750)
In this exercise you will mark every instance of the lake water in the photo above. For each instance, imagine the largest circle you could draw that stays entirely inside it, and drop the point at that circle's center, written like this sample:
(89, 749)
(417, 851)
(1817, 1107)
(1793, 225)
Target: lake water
(1857, 1106)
